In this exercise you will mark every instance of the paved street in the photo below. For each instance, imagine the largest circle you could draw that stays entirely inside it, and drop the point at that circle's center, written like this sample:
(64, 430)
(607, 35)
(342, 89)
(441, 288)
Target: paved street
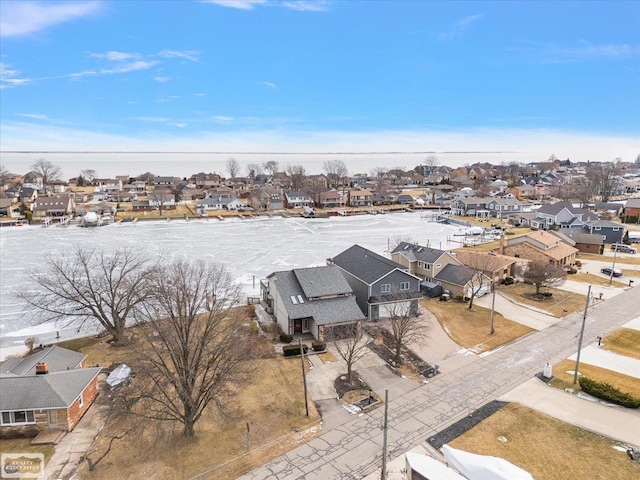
(353, 450)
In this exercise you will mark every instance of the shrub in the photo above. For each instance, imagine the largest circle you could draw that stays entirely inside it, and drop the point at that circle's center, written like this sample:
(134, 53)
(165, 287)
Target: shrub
(578, 263)
(572, 271)
(292, 350)
(507, 281)
(285, 338)
(459, 298)
(609, 393)
(443, 298)
(547, 294)
(318, 346)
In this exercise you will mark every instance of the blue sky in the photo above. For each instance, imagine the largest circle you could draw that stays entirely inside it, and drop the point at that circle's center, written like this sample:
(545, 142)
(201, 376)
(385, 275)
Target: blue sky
(322, 76)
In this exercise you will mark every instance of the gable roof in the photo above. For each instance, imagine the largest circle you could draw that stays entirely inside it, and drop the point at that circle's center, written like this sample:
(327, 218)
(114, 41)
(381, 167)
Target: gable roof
(585, 238)
(321, 281)
(455, 274)
(325, 311)
(53, 390)
(365, 265)
(58, 359)
(414, 252)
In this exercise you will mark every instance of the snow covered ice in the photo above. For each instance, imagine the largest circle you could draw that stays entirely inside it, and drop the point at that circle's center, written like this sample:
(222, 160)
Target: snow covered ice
(250, 249)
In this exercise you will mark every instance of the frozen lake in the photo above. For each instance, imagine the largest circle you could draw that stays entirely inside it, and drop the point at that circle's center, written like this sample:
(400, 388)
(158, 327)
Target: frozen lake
(250, 249)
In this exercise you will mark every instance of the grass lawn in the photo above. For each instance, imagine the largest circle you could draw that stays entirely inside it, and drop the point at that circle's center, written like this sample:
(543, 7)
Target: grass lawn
(624, 341)
(546, 447)
(23, 445)
(596, 280)
(562, 379)
(556, 305)
(628, 272)
(630, 259)
(470, 329)
(272, 403)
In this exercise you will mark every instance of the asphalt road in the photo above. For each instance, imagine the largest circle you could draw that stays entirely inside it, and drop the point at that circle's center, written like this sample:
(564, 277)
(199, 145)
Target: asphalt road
(353, 450)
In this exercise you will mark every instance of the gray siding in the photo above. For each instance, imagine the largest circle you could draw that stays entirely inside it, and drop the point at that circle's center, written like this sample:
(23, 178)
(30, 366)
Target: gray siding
(395, 279)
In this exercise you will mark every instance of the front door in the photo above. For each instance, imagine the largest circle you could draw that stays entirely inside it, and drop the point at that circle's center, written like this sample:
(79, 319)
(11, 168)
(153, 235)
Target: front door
(297, 326)
(52, 417)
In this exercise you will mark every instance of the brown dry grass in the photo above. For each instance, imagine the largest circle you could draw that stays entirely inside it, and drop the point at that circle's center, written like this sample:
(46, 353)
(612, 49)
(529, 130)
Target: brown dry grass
(624, 341)
(546, 447)
(631, 259)
(556, 305)
(470, 329)
(595, 279)
(563, 379)
(23, 445)
(327, 357)
(272, 403)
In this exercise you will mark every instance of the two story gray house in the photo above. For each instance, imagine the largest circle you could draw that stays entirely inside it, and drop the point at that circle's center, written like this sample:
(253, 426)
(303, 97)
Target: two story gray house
(377, 282)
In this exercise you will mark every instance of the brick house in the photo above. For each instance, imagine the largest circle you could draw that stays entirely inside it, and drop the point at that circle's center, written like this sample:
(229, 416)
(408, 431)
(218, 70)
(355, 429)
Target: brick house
(631, 213)
(48, 390)
(541, 246)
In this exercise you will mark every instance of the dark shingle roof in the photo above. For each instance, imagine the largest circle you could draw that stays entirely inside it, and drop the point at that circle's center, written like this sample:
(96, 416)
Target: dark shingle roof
(54, 390)
(323, 311)
(57, 358)
(364, 264)
(455, 274)
(321, 281)
(585, 238)
(415, 252)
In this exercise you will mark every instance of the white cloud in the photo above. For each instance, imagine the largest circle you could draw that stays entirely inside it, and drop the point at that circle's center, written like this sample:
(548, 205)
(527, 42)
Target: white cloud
(222, 118)
(554, 53)
(178, 124)
(114, 56)
(298, 5)
(10, 77)
(191, 55)
(240, 4)
(35, 116)
(200, 94)
(270, 85)
(161, 78)
(19, 18)
(458, 29)
(152, 119)
(166, 98)
(306, 5)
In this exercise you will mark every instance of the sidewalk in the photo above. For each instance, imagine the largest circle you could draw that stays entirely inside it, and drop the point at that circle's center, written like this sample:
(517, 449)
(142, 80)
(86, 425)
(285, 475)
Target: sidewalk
(522, 314)
(617, 423)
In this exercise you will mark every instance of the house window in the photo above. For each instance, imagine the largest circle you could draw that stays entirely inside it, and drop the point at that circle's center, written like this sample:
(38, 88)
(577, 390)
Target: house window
(80, 401)
(420, 264)
(385, 288)
(598, 228)
(18, 417)
(405, 286)
(427, 266)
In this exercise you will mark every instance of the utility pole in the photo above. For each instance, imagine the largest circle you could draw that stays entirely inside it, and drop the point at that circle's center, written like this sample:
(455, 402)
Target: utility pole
(304, 377)
(384, 436)
(584, 319)
(615, 252)
(493, 305)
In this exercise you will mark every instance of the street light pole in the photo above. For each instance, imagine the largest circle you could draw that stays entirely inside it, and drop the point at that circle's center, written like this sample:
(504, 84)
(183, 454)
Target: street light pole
(584, 319)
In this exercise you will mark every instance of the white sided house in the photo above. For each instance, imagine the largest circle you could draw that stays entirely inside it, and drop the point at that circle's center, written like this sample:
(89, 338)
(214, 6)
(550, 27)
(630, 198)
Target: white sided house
(316, 300)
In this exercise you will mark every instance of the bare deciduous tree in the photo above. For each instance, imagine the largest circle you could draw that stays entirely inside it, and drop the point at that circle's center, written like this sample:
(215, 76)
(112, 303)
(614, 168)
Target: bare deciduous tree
(254, 169)
(192, 346)
(4, 173)
(89, 174)
(90, 285)
(336, 172)
(160, 198)
(352, 345)
(233, 167)
(271, 167)
(542, 274)
(604, 178)
(478, 263)
(406, 326)
(298, 176)
(47, 170)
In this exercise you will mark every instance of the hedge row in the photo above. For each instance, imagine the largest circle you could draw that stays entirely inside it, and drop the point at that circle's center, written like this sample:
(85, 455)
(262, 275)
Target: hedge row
(291, 350)
(318, 346)
(609, 393)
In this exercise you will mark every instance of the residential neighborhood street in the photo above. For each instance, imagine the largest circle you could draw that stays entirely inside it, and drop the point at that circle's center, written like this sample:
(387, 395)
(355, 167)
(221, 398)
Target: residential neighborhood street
(353, 450)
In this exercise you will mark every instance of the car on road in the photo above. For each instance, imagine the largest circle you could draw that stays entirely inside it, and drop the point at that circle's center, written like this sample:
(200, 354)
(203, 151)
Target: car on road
(607, 271)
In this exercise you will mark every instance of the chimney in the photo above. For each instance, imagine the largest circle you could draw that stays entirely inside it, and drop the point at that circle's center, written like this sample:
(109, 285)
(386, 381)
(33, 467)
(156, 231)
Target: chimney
(502, 244)
(42, 368)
